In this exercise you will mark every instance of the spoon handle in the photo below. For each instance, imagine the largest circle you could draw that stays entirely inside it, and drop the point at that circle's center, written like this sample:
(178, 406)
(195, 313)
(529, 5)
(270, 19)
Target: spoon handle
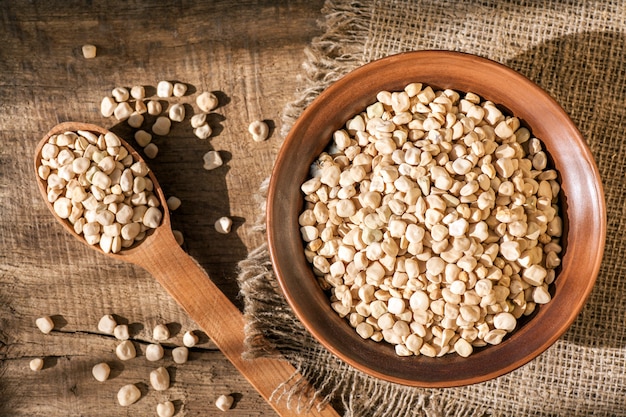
(222, 321)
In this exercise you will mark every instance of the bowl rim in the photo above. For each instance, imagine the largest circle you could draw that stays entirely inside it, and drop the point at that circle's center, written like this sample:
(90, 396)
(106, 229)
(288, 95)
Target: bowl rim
(593, 211)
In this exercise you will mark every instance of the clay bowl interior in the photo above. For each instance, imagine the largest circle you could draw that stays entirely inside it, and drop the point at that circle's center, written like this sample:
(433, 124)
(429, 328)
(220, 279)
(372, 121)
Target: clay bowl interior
(582, 208)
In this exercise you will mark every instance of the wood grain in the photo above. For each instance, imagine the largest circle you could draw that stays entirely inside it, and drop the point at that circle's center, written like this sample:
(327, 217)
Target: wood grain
(250, 52)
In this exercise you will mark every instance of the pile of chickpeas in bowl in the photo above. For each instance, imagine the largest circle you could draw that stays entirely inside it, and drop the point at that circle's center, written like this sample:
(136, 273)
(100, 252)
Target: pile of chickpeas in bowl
(432, 221)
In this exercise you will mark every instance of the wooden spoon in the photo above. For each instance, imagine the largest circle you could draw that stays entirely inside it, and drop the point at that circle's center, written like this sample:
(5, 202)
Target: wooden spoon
(191, 287)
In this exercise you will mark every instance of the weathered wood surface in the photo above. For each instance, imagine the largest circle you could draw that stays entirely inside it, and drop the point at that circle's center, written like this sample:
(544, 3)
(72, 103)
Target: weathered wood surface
(250, 52)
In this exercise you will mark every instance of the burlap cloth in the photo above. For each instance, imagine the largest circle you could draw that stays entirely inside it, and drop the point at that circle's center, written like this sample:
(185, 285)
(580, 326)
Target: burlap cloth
(576, 52)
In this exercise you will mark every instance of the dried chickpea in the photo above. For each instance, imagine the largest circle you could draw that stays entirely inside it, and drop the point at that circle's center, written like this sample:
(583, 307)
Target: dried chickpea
(198, 120)
(207, 101)
(121, 332)
(101, 371)
(154, 352)
(126, 350)
(160, 332)
(173, 203)
(165, 409)
(120, 94)
(135, 120)
(259, 130)
(107, 106)
(179, 89)
(128, 394)
(44, 324)
(107, 324)
(164, 89)
(190, 339)
(177, 112)
(180, 354)
(224, 402)
(138, 92)
(151, 150)
(122, 111)
(178, 236)
(162, 126)
(223, 225)
(160, 379)
(36, 364)
(154, 107)
(203, 131)
(212, 160)
(89, 51)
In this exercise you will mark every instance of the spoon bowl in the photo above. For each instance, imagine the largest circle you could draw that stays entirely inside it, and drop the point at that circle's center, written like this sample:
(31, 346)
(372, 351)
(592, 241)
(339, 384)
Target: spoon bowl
(132, 254)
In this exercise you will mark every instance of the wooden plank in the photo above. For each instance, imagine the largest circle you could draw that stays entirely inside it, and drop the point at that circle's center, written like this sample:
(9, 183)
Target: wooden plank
(251, 52)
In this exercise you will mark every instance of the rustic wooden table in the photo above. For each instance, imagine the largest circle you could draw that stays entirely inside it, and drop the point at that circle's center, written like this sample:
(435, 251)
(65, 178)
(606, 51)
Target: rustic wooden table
(250, 53)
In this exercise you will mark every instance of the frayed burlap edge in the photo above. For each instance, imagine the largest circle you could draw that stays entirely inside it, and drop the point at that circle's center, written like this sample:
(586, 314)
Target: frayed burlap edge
(330, 56)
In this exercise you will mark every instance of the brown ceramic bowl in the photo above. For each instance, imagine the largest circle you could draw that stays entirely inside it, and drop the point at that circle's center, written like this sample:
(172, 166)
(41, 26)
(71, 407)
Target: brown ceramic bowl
(582, 208)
